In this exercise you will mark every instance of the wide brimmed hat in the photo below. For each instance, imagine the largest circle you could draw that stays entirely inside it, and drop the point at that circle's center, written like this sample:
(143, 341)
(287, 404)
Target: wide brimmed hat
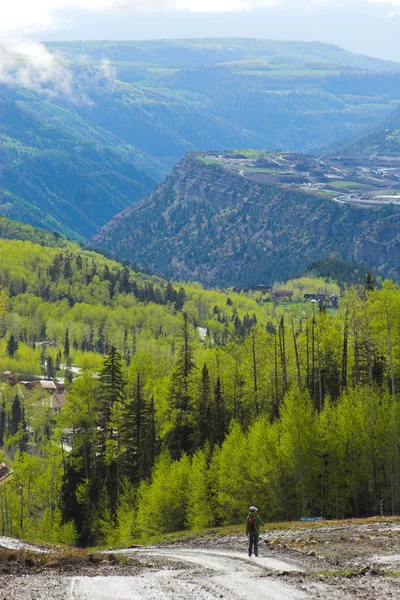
(252, 508)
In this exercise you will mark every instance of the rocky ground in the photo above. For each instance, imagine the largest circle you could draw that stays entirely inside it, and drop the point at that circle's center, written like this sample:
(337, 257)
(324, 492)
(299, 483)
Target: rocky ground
(337, 561)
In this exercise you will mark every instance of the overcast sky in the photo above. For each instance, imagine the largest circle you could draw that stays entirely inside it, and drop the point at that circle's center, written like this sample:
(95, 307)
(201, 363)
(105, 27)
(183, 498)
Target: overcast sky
(367, 26)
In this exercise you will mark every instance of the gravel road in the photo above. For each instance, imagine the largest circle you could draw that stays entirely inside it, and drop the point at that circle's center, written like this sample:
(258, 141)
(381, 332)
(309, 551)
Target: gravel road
(205, 575)
(339, 561)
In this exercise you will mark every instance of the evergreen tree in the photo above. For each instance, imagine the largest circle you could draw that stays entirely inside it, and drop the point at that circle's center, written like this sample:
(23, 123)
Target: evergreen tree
(68, 376)
(125, 285)
(131, 434)
(67, 269)
(50, 368)
(16, 416)
(180, 300)
(219, 420)
(112, 390)
(369, 282)
(180, 438)
(12, 346)
(202, 433)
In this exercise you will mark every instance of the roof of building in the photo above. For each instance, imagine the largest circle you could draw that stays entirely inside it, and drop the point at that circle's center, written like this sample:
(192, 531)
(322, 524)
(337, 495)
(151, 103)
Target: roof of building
(48, 384)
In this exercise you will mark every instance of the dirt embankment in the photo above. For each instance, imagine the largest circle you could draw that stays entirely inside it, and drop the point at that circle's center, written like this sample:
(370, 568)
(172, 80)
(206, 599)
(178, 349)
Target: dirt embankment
(338, 561)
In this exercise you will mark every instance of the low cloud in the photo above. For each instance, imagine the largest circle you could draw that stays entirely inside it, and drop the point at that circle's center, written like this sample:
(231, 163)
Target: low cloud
(30, 65)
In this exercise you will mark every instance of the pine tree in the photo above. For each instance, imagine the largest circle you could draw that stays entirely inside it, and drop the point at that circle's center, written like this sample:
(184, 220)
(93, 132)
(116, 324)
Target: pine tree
(50, 368)
(204, 409)
(131, 433)
(67, 269)
(112, 386)
(112, 390)
(16, 416)
(180, 438)
(125, 284)
(68, 372)
(12, 346)
(180, 300)
(219, 421)
(369, 282)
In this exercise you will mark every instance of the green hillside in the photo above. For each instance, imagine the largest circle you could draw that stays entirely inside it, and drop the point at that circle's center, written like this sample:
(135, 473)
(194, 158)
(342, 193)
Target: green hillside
(183, 404)
(211, 51)
(381, 140)
(61, 173)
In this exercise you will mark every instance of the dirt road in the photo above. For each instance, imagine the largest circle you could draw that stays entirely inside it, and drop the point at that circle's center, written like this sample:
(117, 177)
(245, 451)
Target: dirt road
(210, 575)
(338, 560)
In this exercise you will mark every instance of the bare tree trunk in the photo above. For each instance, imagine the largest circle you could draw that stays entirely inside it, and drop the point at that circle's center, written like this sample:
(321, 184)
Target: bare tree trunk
(313, 358)
(21, 509)
(368, 344)
(275, 413)
(319, 380)
(296, 350)
(255, 375)
(307, 353)
(390, 349)
(283, 355)
(345, 351)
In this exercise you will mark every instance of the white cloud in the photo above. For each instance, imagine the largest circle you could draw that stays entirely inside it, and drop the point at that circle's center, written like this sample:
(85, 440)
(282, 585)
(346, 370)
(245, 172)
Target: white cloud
(25, 16)
(31, 65)
(36, 15)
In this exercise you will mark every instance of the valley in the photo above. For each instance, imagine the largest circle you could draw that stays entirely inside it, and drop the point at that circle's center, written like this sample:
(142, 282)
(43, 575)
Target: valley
(74, 157)
(199, 250)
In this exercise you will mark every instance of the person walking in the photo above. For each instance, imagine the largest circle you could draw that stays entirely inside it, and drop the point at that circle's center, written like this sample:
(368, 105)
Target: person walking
(253, 522)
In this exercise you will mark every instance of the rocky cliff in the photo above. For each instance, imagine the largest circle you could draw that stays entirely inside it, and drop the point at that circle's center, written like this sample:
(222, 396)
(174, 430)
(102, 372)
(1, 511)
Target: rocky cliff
(220, 227)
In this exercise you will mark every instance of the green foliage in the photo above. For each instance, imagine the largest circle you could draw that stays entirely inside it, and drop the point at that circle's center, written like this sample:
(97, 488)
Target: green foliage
(341, 271)
(164, 427)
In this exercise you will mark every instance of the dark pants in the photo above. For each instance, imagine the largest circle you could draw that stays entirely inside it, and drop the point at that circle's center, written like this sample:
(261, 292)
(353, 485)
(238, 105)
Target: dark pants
(253, 541)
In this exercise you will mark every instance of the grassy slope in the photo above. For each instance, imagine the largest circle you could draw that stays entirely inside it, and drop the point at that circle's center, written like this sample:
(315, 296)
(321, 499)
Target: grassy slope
(383, 139)
(192, 52)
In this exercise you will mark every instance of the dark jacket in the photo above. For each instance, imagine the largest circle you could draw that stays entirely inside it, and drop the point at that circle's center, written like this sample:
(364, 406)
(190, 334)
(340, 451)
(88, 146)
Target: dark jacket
(258, 523)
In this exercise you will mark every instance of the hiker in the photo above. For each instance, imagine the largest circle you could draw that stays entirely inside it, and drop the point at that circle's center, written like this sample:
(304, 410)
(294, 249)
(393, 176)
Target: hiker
(253, 523)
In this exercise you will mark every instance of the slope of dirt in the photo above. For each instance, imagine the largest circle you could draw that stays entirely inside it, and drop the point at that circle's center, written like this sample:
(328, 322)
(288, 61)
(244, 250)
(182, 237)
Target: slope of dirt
(339, 561)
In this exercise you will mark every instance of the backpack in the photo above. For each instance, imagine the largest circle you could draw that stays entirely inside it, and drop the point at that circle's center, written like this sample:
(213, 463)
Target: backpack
(252, 523)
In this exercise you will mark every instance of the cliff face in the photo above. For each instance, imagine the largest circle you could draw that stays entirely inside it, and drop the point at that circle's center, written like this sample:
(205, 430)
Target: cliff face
(212, 225)
(380, 246)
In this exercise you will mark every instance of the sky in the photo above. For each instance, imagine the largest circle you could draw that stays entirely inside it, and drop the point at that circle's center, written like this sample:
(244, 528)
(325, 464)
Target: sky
(366, 26)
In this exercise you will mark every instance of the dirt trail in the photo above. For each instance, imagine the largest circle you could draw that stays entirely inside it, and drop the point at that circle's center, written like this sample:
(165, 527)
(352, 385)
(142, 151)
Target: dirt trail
(217, 575)
(339, 561)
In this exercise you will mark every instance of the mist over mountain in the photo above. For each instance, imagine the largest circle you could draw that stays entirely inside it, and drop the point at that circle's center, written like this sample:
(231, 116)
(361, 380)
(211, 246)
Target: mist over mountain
(71, 161)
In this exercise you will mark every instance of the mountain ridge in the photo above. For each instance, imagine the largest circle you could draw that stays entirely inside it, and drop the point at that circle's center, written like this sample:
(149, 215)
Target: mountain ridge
(219, 227)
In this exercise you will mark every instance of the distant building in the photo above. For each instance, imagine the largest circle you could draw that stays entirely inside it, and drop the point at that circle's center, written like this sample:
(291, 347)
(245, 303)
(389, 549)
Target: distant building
(55, 390)
(264, 289)
(282, 294)
(318, 297)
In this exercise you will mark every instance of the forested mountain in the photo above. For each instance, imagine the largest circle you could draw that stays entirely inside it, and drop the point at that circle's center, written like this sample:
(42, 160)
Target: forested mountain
(60, 173)
(74, 157)
(381, 140)
(212, 51)
(224, 226)
(185, 404)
